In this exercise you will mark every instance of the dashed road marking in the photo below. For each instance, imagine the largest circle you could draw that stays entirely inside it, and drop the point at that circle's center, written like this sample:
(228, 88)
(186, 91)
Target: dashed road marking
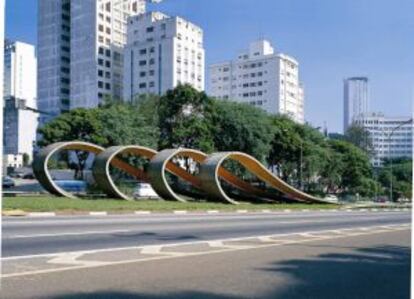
(155, 252)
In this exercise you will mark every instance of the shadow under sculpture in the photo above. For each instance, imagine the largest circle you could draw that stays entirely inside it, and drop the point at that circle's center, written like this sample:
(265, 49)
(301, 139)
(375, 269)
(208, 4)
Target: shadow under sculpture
(207, 181)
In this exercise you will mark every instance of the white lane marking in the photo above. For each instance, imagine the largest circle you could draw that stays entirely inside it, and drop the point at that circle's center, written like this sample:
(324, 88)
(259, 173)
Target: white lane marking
(287, 211)
(337, 231)
(67, 234)
(72, 259)
(242, 211)
(98, 213)
(169, 255)
(142, 212)
(152, 249)
(42, 214)
(180, 212)
(213, 212)
(266, 211)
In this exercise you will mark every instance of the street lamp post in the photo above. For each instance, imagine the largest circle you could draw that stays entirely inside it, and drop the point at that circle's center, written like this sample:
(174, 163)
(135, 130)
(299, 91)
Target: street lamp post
(389, 150)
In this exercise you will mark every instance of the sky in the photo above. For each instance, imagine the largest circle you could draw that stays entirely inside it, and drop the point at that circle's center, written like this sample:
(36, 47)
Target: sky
(331, 39)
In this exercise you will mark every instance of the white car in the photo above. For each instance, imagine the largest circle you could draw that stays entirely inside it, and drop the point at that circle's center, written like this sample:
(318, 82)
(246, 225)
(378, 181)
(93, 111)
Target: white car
(144, 190)
(331, 198)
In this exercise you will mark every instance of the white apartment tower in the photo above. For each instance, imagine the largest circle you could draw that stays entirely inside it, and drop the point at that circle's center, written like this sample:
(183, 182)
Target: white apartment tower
(80, 47)
(356, 99)
(20, 119)
(391, 137)
(162, 52)
(263, 78)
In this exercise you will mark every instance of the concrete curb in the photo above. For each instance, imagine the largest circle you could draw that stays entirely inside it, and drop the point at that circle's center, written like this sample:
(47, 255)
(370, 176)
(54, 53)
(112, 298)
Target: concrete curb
(20, 213)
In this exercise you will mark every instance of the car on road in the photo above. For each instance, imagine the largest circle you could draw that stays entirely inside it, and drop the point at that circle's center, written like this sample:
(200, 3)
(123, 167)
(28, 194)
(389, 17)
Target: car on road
(16, 175)
(7, 182)
(29, 176)
(331, 198)
(72, 186)
(144, 190)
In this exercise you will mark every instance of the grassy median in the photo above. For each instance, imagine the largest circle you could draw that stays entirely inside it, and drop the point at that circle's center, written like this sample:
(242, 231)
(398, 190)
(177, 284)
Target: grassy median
(57, 204)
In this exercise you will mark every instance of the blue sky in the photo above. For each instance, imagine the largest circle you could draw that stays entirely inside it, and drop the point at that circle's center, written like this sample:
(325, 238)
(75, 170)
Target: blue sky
(332, 39)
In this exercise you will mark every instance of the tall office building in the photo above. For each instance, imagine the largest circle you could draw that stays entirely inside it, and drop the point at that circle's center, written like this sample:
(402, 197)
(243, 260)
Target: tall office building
(356, 99)
(20, 119)
(263, 78)
(161, 53)
(80, 50)
(391, 137)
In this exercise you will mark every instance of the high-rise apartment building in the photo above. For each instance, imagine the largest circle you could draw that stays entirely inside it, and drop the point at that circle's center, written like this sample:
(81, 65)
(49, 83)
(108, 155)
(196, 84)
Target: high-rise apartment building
(80, 50)
(20, 71)
(20, 121)
(263, 78)
(391, 137)
(162, 52)
(356, 99)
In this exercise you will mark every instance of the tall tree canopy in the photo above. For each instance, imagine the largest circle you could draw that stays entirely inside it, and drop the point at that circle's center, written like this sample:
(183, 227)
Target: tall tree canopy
(185, 119)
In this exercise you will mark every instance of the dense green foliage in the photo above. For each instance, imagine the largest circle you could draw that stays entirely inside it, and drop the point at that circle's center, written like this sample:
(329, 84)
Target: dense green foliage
(184, 117)
(401, 178)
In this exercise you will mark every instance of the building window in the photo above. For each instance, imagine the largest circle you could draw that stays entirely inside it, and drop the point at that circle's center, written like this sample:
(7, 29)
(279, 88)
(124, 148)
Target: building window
(142, 62)
(100, 61)
(152, 84)
(101, 50)
(142, 74)
(107, 86)
(101, 28)
(143, 85)
(150, 29)
(100, 73)
(107, 63)
(152, 61)
(143, 51)
(100, 84)
(151, 72)
(108, 53)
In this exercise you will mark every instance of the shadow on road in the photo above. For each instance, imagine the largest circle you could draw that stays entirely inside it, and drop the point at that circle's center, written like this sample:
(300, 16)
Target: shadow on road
(377, 272)
(157, 236)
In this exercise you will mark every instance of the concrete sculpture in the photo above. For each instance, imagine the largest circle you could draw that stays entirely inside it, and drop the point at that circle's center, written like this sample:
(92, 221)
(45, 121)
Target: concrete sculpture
(207, 180)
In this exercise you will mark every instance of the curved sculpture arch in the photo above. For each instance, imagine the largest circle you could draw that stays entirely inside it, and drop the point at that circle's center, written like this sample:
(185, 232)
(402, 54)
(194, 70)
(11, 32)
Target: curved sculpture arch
(208, 180)
(40, 164)
(210, 177)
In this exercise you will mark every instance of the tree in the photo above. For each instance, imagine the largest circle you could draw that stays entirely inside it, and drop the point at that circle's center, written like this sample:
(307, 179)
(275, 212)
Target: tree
(79, 124)
(26, 159)
(241, 127)
(109, 125)
(360, 137)
(122, 124)
(356, 173)
(285, 152)
(185, 119)
(401, 178)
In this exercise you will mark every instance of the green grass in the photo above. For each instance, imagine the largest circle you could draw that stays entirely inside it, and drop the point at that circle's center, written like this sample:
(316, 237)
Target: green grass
(57, 204)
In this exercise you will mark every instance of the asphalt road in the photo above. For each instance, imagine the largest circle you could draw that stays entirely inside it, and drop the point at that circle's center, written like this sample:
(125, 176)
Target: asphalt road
(311, 255)
(33, 236)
